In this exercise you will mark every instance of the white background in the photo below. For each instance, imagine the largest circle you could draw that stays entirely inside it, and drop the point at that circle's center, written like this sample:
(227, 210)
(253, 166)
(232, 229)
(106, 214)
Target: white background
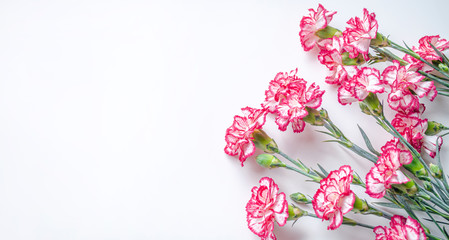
(113, 113)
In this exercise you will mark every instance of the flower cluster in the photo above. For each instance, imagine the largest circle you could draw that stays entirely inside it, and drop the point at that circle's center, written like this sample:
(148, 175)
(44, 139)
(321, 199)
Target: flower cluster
(400, 174)
(288, 97)
(266, 206)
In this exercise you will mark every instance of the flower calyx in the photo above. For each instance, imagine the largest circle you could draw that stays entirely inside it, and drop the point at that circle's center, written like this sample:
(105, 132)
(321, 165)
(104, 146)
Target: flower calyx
(269, 161)
(264, 142)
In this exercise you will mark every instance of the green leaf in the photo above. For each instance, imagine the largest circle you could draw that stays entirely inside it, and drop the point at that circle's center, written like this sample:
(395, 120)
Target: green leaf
(387, 204)
(323, 170)
(445, 60)
(440, 222)
(435, 78)
(325, 133)
(368, 142)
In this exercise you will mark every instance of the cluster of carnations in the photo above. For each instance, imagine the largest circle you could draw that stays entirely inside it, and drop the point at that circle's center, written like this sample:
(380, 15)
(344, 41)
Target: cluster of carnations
(399, 175)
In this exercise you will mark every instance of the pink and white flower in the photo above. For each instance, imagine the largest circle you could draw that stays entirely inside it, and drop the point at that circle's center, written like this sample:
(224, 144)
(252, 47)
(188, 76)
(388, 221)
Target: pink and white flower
(293, 108)
(288, 96)
(386, 171)
(426, 51)
(401, 228)
(331, 57)
(266, 206)
(413, 129)
(311, 24)
(358, 36)
(334, 198)
(357, 88)
(402, 80)
(238, 136)
(283, 85)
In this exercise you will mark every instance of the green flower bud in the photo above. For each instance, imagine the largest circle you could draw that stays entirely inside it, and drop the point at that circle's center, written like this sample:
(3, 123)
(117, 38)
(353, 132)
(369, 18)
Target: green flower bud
(269, 161)
(428, 186)
(327, 32)
(314, 118)
(416, 168)
(380, 41)
(443, 67)
(295, 213)
(434, 128)
(360, 205)
(371, 105)
(300, 198)
(435, 171)
(263, 142)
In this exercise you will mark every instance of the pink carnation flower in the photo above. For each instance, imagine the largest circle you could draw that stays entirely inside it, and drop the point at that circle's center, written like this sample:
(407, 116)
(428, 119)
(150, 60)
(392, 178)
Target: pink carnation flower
(293, 108)
(412, 128)
(288, 96)
(265, 206)
(401, 228)
(358, 36)
(357, 88)
(283, 85)
(386, 171)
(330, 56)
(238, 136)
(402, 80)
(426, 51)
(311, 24)
(334, 198)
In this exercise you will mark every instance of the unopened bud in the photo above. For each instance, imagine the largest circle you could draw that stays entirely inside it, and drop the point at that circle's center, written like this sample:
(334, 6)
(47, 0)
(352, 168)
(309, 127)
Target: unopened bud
(314, 118)
(269, 161)
(360, 205)
(371, 105)
(428, 186)
(417, 168)
(443, 67)
(434, 128)
(295, 213)
(435, 171)
(264, 142)
(300, 198)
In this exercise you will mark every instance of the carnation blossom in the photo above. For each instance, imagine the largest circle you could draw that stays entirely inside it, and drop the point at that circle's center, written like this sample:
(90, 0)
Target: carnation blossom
(386, 171)
(238, 136)
(311, 24)
(334, 198)
(330, 56)
(266, 206)
(288, 96)
(357, 88)
(280, 87)
(426, 51)
(401, 228)
(402, 80)
(413, 129)
(358, 36)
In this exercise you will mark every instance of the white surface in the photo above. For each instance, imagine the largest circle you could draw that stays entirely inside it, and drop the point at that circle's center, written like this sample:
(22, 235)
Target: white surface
(113, 113)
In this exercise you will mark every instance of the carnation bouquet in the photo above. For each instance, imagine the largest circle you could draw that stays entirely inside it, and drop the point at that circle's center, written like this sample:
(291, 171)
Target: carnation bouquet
(406, 183)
